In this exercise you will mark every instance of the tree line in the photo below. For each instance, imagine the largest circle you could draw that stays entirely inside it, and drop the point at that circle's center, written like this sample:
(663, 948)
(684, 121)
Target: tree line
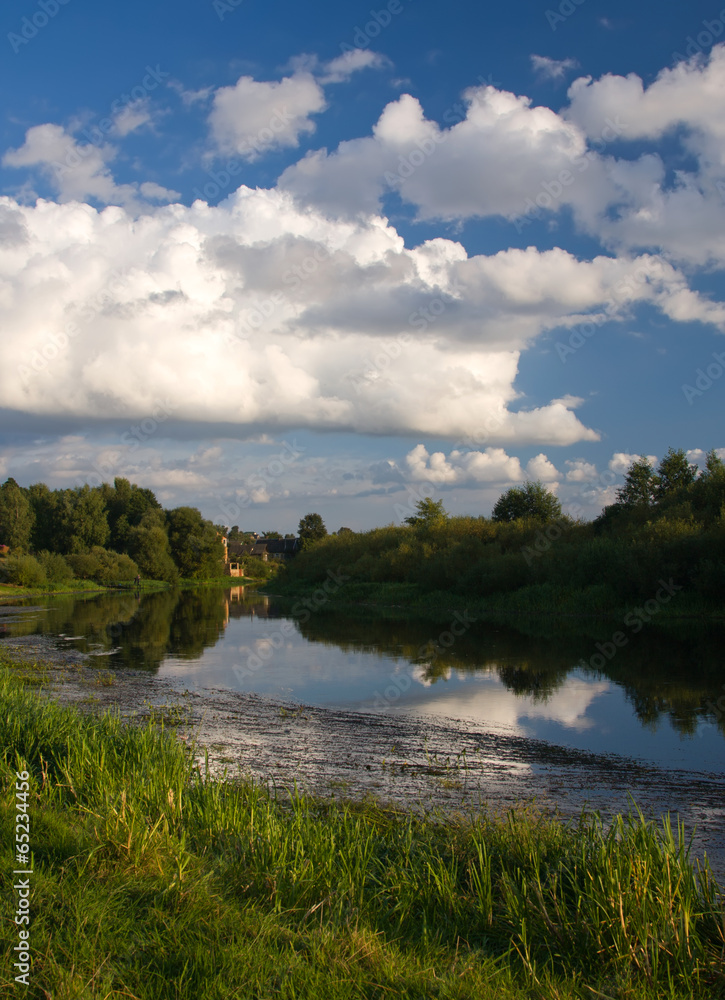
(666, 522)
(107, 533)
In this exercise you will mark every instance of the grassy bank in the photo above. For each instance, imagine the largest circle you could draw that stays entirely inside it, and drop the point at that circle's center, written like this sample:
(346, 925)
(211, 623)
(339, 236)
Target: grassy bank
(152, 881)
(219, 581)
(8, 590)
(146, 586)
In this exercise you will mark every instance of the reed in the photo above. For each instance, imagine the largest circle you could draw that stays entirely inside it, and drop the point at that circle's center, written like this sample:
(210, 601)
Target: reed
(153, 880)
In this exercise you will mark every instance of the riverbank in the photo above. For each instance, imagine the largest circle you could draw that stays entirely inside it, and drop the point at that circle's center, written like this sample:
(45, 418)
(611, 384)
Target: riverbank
(425, 764)
(229, 889)
(409, 600)
(9, 591)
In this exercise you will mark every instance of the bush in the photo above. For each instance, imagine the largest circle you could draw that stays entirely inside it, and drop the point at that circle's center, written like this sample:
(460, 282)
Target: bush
(24, 571)
(102, 566)
(55, 567)
(257, 569)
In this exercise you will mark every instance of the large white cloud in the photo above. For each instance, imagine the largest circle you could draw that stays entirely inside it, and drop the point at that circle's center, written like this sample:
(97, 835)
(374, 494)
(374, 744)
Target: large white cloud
(497, 154)
(259, 313)
(690, 94)
(685, 216)
(493, 151)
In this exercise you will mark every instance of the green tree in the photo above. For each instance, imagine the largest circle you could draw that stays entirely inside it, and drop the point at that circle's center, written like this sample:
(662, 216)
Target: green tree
(16, 516)
(148, 544)
(429, 513)
(46, 530)
(640, 485)
(714, 465)
(274, 535)
(312, 528)
(80, 521)
(532, 500)
(673, 473)
(196, 547)
(126, 504)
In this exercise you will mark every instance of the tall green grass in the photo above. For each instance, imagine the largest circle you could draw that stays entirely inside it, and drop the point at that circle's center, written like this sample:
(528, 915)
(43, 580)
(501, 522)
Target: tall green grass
(153, 880)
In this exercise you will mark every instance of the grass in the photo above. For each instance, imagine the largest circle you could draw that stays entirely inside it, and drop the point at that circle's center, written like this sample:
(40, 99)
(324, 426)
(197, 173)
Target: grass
(74, 587)
(219, 581)
(88, 586)
(152, 880)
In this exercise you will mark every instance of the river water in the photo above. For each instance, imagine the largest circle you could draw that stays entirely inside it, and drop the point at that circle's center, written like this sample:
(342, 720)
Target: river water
(656, 698)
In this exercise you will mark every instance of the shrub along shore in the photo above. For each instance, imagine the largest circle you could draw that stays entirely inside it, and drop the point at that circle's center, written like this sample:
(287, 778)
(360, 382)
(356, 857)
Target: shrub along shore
(664, 537)
(152, 880)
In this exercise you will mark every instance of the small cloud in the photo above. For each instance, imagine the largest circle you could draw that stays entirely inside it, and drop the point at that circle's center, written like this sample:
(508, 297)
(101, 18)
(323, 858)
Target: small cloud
(541, 468)
(552, 69)
(581, 471)
(131, 117)
(341, 69)
(155, 192)
(191, 97)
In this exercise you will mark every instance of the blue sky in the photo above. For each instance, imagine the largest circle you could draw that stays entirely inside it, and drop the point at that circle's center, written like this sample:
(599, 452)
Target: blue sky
(266, 259)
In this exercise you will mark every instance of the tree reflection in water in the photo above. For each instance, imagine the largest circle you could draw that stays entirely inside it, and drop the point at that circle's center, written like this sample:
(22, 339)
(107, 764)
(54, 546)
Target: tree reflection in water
(676, 672)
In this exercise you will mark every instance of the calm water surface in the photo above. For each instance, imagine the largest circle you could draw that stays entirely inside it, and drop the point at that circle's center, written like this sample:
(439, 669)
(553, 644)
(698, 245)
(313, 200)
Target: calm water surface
(655, 699)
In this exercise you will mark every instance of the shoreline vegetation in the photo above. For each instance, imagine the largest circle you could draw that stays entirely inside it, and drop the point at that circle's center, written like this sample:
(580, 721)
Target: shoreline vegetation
(196, 886)
(83, 587)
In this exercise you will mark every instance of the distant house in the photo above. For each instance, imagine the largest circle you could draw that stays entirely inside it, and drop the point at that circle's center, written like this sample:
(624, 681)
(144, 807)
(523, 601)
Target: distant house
(283, 548)
(264, 549)
(231, 568)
